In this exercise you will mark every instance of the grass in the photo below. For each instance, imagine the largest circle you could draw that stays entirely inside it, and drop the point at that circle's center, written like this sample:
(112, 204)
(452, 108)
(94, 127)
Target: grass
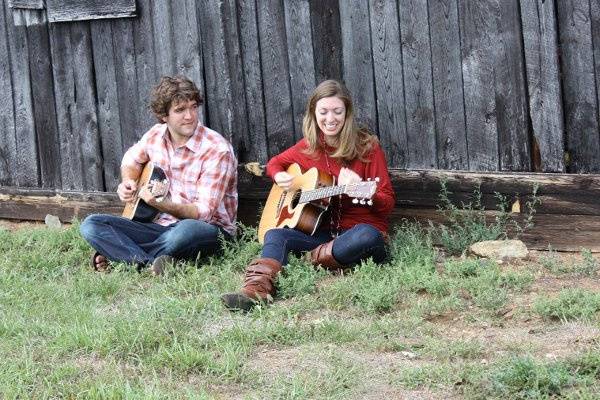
(415, 323)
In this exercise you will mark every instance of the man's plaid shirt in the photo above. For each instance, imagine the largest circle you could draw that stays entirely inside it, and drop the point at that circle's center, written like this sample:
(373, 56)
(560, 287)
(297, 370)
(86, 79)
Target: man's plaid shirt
(203, 172)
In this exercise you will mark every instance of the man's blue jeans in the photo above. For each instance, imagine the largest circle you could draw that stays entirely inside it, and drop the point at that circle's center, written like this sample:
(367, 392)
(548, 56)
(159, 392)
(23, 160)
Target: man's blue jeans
(353, 245)
(120, 239)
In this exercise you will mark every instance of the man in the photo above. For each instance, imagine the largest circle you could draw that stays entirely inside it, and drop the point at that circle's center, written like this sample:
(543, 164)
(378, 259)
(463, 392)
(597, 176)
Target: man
(201, 204)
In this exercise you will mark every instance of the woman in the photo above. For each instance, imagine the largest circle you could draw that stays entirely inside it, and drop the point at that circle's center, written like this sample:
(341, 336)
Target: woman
(350, 232)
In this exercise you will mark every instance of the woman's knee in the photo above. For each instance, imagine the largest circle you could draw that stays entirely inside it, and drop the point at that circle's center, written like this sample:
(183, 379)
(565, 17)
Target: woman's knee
(369, 235)
(276, 236)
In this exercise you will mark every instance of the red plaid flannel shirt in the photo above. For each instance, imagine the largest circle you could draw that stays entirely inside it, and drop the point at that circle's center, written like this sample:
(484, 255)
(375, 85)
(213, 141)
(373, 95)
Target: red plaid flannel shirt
(203, 172)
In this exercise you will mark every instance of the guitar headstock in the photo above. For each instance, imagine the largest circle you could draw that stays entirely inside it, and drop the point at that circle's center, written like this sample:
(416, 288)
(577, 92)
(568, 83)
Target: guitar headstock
(362, 192)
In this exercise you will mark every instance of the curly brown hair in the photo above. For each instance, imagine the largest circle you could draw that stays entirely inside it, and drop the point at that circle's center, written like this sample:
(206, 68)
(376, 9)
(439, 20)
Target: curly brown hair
(172, 90)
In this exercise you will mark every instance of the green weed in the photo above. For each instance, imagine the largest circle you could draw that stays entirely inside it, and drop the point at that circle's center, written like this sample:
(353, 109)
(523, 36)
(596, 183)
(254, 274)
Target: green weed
(570, 304)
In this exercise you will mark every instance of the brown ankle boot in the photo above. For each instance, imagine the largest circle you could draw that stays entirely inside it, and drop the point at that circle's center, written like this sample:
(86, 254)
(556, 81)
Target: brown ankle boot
(259, 285)
(323, 255)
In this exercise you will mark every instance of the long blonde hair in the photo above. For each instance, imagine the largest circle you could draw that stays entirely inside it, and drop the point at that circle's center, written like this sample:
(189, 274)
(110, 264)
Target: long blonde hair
(353, 142)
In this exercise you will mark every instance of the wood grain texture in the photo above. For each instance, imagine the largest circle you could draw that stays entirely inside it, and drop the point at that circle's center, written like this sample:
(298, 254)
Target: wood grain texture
(581, 102)
(327, 39)
(85, 118)
(188, 51)
(8, 143)
(224, 81)
(29, 4)
(418, 85)
(540, 39)
(448, 96)
(162, 34)
(76, 10)
(389, 85)
(109, 115)
(358, 60)
(26, 172)
(511, 96)
(44, 110)
(301, 59)
(275, 69)
(146, 71)
(477, 27)
(254, 140)
(595, 17)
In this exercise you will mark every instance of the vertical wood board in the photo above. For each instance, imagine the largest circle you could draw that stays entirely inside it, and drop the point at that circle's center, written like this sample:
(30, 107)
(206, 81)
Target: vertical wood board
(540, 41)
(581, 102)
(448, 85)
(389, 85)
(8, 145)
(301, 59)
(418, 85)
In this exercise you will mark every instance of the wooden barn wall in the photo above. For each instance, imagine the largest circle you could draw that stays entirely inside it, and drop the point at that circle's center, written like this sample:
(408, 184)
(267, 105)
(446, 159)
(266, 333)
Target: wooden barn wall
(481, 85)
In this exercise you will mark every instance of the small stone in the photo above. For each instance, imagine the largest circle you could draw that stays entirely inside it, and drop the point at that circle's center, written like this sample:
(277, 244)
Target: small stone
(408, 354)
(52, 221)
(499, 249)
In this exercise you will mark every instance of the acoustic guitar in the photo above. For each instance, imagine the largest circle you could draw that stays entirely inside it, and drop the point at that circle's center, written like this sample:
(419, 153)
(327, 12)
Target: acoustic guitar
(156, 180)
(303, 205)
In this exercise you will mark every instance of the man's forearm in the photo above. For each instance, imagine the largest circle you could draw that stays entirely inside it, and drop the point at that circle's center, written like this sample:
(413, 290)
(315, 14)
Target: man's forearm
(181, 211)
(130, 172)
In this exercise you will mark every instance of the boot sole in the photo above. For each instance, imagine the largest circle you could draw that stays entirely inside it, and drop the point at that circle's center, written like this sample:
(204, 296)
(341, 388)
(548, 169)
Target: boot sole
(238, 302)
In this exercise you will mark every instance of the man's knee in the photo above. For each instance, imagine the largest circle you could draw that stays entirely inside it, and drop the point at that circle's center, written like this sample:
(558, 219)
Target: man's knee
(89, 225)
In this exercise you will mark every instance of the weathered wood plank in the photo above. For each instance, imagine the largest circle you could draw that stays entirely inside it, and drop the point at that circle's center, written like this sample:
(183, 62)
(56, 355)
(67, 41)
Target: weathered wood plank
(327, 39)
(276, 86)
(580, 100)
(418, 85)
(448, 85)
(76, 10)
(358, 60)
(109, 117)
(8, 144)
(224, 84)
(595, 13)
(146, 71)
(163, 36)
(301, 59)
(62, 59)
(477, 22)
(26, 172)
(29, 4)
(387, 62)
(186, 40)
(85, 119)
(44, 110)
(563, 232)
(255, 139)
(540, 40)
(511, 95)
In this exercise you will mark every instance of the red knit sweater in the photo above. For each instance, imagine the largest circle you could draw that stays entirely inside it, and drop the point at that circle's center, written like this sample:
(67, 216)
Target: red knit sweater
(350, 214)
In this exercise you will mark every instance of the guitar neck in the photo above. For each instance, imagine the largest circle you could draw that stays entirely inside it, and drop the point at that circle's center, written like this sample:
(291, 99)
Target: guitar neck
(321, 193)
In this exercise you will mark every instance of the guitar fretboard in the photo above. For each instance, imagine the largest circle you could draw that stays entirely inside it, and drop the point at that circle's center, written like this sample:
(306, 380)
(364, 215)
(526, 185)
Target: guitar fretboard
(321, 193)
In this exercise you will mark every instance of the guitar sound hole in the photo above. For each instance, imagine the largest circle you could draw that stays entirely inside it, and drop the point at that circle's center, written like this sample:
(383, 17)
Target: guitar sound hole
(295, 199)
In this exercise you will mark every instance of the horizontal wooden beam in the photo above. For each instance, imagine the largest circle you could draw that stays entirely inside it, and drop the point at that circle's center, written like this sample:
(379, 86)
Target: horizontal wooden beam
(567, 219)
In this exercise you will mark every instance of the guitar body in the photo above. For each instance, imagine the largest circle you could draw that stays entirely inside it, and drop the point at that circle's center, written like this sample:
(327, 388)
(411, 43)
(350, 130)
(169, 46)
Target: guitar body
(283, 210)
(139, 210)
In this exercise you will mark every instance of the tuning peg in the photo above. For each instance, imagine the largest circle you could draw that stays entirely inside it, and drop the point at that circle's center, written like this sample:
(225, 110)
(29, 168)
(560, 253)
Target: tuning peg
(362, 202)
(368, 179)
(377, 179)
(370, 202)
(354, 201)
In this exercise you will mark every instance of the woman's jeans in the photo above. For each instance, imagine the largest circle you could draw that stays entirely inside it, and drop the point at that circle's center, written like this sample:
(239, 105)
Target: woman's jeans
(353, 245)
(121, 239)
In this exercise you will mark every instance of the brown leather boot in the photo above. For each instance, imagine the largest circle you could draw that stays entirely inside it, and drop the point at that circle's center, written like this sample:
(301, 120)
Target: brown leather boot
(323, 255)
(259, 285)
